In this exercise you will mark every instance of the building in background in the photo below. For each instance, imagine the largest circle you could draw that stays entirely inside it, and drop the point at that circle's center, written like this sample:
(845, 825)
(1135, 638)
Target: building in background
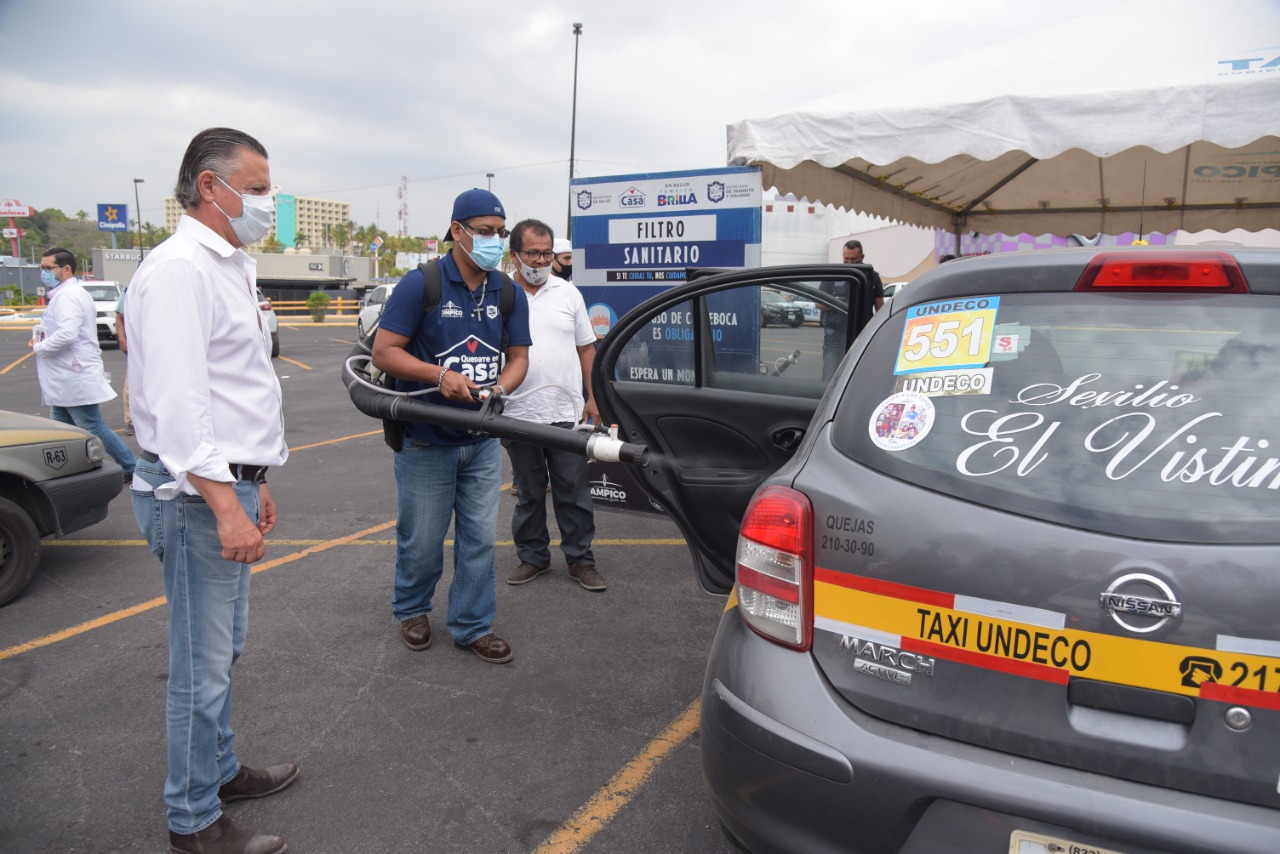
(301, 222)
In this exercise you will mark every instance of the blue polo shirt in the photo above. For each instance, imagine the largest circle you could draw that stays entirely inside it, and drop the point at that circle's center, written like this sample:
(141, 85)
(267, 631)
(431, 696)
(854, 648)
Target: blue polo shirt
(464, 334)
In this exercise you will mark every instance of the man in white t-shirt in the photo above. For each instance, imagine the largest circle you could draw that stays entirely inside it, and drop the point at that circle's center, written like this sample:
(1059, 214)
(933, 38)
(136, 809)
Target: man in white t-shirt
(552, 393)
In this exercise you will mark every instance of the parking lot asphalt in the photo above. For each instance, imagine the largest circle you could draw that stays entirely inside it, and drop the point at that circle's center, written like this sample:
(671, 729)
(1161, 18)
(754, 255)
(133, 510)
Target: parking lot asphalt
(587, 741)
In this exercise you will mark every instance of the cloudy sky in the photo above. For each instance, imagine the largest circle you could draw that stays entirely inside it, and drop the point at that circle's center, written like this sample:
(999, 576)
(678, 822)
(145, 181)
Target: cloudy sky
(348, 97)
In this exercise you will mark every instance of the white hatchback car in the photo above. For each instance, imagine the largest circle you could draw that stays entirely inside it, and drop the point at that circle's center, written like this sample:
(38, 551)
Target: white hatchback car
(106, 297)
(371, 307)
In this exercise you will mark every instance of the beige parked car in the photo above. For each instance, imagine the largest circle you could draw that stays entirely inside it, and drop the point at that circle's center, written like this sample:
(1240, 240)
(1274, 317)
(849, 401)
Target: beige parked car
(54, 479)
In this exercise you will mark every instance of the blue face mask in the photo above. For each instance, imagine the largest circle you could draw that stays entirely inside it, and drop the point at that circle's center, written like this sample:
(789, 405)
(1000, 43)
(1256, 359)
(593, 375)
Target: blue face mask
(485, 251)
(50, 281)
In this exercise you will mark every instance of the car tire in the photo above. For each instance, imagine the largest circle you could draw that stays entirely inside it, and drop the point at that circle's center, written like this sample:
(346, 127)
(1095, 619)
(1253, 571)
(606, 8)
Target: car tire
(19, 550)
(275, 345)
(731, 839)
(793, 324)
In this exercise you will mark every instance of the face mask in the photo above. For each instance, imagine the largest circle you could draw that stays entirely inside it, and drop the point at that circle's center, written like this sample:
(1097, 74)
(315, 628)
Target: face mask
(566, 271)
(535, 276)
(486, 251)
(259, 214)
(50, 280)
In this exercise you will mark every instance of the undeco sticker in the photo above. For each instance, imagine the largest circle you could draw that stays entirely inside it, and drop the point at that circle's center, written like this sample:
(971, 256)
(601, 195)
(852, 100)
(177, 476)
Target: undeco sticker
(901, 421)
(948, 334)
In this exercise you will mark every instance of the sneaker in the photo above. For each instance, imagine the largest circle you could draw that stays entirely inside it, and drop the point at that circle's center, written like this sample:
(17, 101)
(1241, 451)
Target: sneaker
(525, 572)
(587, 576)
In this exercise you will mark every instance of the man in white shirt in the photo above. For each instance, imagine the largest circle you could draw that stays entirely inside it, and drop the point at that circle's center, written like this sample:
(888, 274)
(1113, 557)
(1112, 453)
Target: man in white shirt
(69, 359)
(207, 412)
(559, 369)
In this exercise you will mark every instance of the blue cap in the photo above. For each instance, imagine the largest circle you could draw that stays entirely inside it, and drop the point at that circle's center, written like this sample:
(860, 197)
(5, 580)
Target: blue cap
(476, 202)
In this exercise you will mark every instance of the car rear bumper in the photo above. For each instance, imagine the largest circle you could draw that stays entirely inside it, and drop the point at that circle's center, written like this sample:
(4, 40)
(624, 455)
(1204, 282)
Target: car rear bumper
(80, 500)
(792, 766)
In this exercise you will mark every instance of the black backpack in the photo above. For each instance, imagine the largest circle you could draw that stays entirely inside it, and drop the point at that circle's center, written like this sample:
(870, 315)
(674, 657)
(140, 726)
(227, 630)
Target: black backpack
(393, 431)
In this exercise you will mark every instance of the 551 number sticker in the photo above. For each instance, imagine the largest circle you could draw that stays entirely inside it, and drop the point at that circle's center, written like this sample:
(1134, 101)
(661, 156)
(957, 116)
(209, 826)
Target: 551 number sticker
(949, 334)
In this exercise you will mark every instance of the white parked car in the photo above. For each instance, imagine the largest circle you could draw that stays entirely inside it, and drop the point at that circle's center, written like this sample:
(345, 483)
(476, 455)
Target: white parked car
(106, 297)
(273, 322)
(371, 307)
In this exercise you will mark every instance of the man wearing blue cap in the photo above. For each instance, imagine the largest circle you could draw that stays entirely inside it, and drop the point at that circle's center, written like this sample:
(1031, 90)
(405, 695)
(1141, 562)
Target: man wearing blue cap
(442, 472)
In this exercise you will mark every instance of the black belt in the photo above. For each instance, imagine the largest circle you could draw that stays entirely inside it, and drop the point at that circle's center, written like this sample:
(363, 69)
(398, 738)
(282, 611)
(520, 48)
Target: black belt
(240, 471)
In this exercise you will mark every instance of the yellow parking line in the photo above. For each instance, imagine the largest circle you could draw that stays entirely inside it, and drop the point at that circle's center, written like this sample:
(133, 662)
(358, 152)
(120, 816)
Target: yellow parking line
(292, 362)
(311, 547)
(333, 441)
(597, 812)
(13, 365)
(648, 541)
(116, 616)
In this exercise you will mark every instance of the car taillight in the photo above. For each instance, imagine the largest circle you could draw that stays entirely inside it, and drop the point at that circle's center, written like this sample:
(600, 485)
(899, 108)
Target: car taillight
(265, 305)
(775, 566)
(1148, 270)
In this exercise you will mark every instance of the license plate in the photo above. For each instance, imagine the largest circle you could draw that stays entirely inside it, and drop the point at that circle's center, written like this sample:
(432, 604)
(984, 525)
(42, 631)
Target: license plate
(1023, 842)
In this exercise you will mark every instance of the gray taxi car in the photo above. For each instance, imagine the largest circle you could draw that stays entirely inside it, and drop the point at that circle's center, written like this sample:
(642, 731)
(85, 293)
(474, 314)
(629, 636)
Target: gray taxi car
(1010, 582)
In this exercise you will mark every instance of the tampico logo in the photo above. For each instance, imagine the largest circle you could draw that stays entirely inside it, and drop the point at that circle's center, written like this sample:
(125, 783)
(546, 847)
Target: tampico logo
(450, 309)
(715, 191)
(584, 199)
(606, 491)
(632, 198)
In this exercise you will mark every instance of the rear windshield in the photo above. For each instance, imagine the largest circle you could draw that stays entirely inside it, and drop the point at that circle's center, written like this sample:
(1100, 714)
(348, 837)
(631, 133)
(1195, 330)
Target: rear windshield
(1155, 417)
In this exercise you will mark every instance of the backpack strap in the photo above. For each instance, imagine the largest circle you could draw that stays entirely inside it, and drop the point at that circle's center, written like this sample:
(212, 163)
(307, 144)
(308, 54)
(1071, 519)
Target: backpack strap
(431, 290)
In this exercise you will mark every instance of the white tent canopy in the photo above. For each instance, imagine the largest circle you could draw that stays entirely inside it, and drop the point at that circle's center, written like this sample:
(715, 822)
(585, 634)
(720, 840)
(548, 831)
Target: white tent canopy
(1158, 117)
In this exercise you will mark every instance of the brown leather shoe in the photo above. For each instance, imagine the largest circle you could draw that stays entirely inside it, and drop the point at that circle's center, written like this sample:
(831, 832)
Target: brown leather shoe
(252, 783)
(587, 575)
(525, 572)
(490, 647)
(416, 632)
(224, 836)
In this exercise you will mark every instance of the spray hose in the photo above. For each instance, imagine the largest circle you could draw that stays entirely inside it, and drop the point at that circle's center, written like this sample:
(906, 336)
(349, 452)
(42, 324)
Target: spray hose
(377, 402)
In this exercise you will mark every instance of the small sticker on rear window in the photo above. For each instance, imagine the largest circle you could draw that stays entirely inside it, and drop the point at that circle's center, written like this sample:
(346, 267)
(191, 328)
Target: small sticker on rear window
(901, 420)
(949, 334)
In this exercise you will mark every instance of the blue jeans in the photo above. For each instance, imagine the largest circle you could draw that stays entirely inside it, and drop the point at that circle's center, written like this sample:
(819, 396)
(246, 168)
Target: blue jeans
(436, 483)
(208, 622)
(532, 466)
(88, 417)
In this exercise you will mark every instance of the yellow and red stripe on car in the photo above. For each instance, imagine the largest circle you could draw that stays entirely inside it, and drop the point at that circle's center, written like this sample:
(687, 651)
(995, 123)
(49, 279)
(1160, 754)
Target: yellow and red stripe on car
(1036, 643)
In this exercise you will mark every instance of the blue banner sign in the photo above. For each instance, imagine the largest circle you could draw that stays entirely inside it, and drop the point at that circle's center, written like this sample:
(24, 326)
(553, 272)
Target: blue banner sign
(113, 217)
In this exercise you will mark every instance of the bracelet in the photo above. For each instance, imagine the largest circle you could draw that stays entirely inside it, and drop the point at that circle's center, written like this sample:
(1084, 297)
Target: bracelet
(440, 379)
(498, 387)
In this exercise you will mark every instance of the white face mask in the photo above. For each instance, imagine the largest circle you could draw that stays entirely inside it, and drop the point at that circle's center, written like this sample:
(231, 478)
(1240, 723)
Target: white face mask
(253, 224)
(535, 276)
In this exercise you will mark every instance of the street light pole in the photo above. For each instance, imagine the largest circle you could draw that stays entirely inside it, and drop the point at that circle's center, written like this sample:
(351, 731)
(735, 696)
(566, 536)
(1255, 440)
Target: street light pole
(489, 175)
(137, 212)
(573, 128)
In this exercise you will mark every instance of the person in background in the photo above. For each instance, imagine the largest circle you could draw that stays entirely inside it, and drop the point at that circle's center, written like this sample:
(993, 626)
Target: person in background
(208, 413)
(562, 261)
(124, 348)
(445, 473)
(69, 358)
(834, 324)
(559, 369)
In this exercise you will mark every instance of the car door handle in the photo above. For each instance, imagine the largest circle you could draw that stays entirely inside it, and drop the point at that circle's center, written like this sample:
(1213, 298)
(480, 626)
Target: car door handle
(788, 438)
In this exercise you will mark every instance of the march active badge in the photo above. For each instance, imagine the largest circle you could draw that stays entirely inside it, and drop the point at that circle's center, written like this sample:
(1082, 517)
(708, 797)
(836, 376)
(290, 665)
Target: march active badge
(901, 420)
(949, 334)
